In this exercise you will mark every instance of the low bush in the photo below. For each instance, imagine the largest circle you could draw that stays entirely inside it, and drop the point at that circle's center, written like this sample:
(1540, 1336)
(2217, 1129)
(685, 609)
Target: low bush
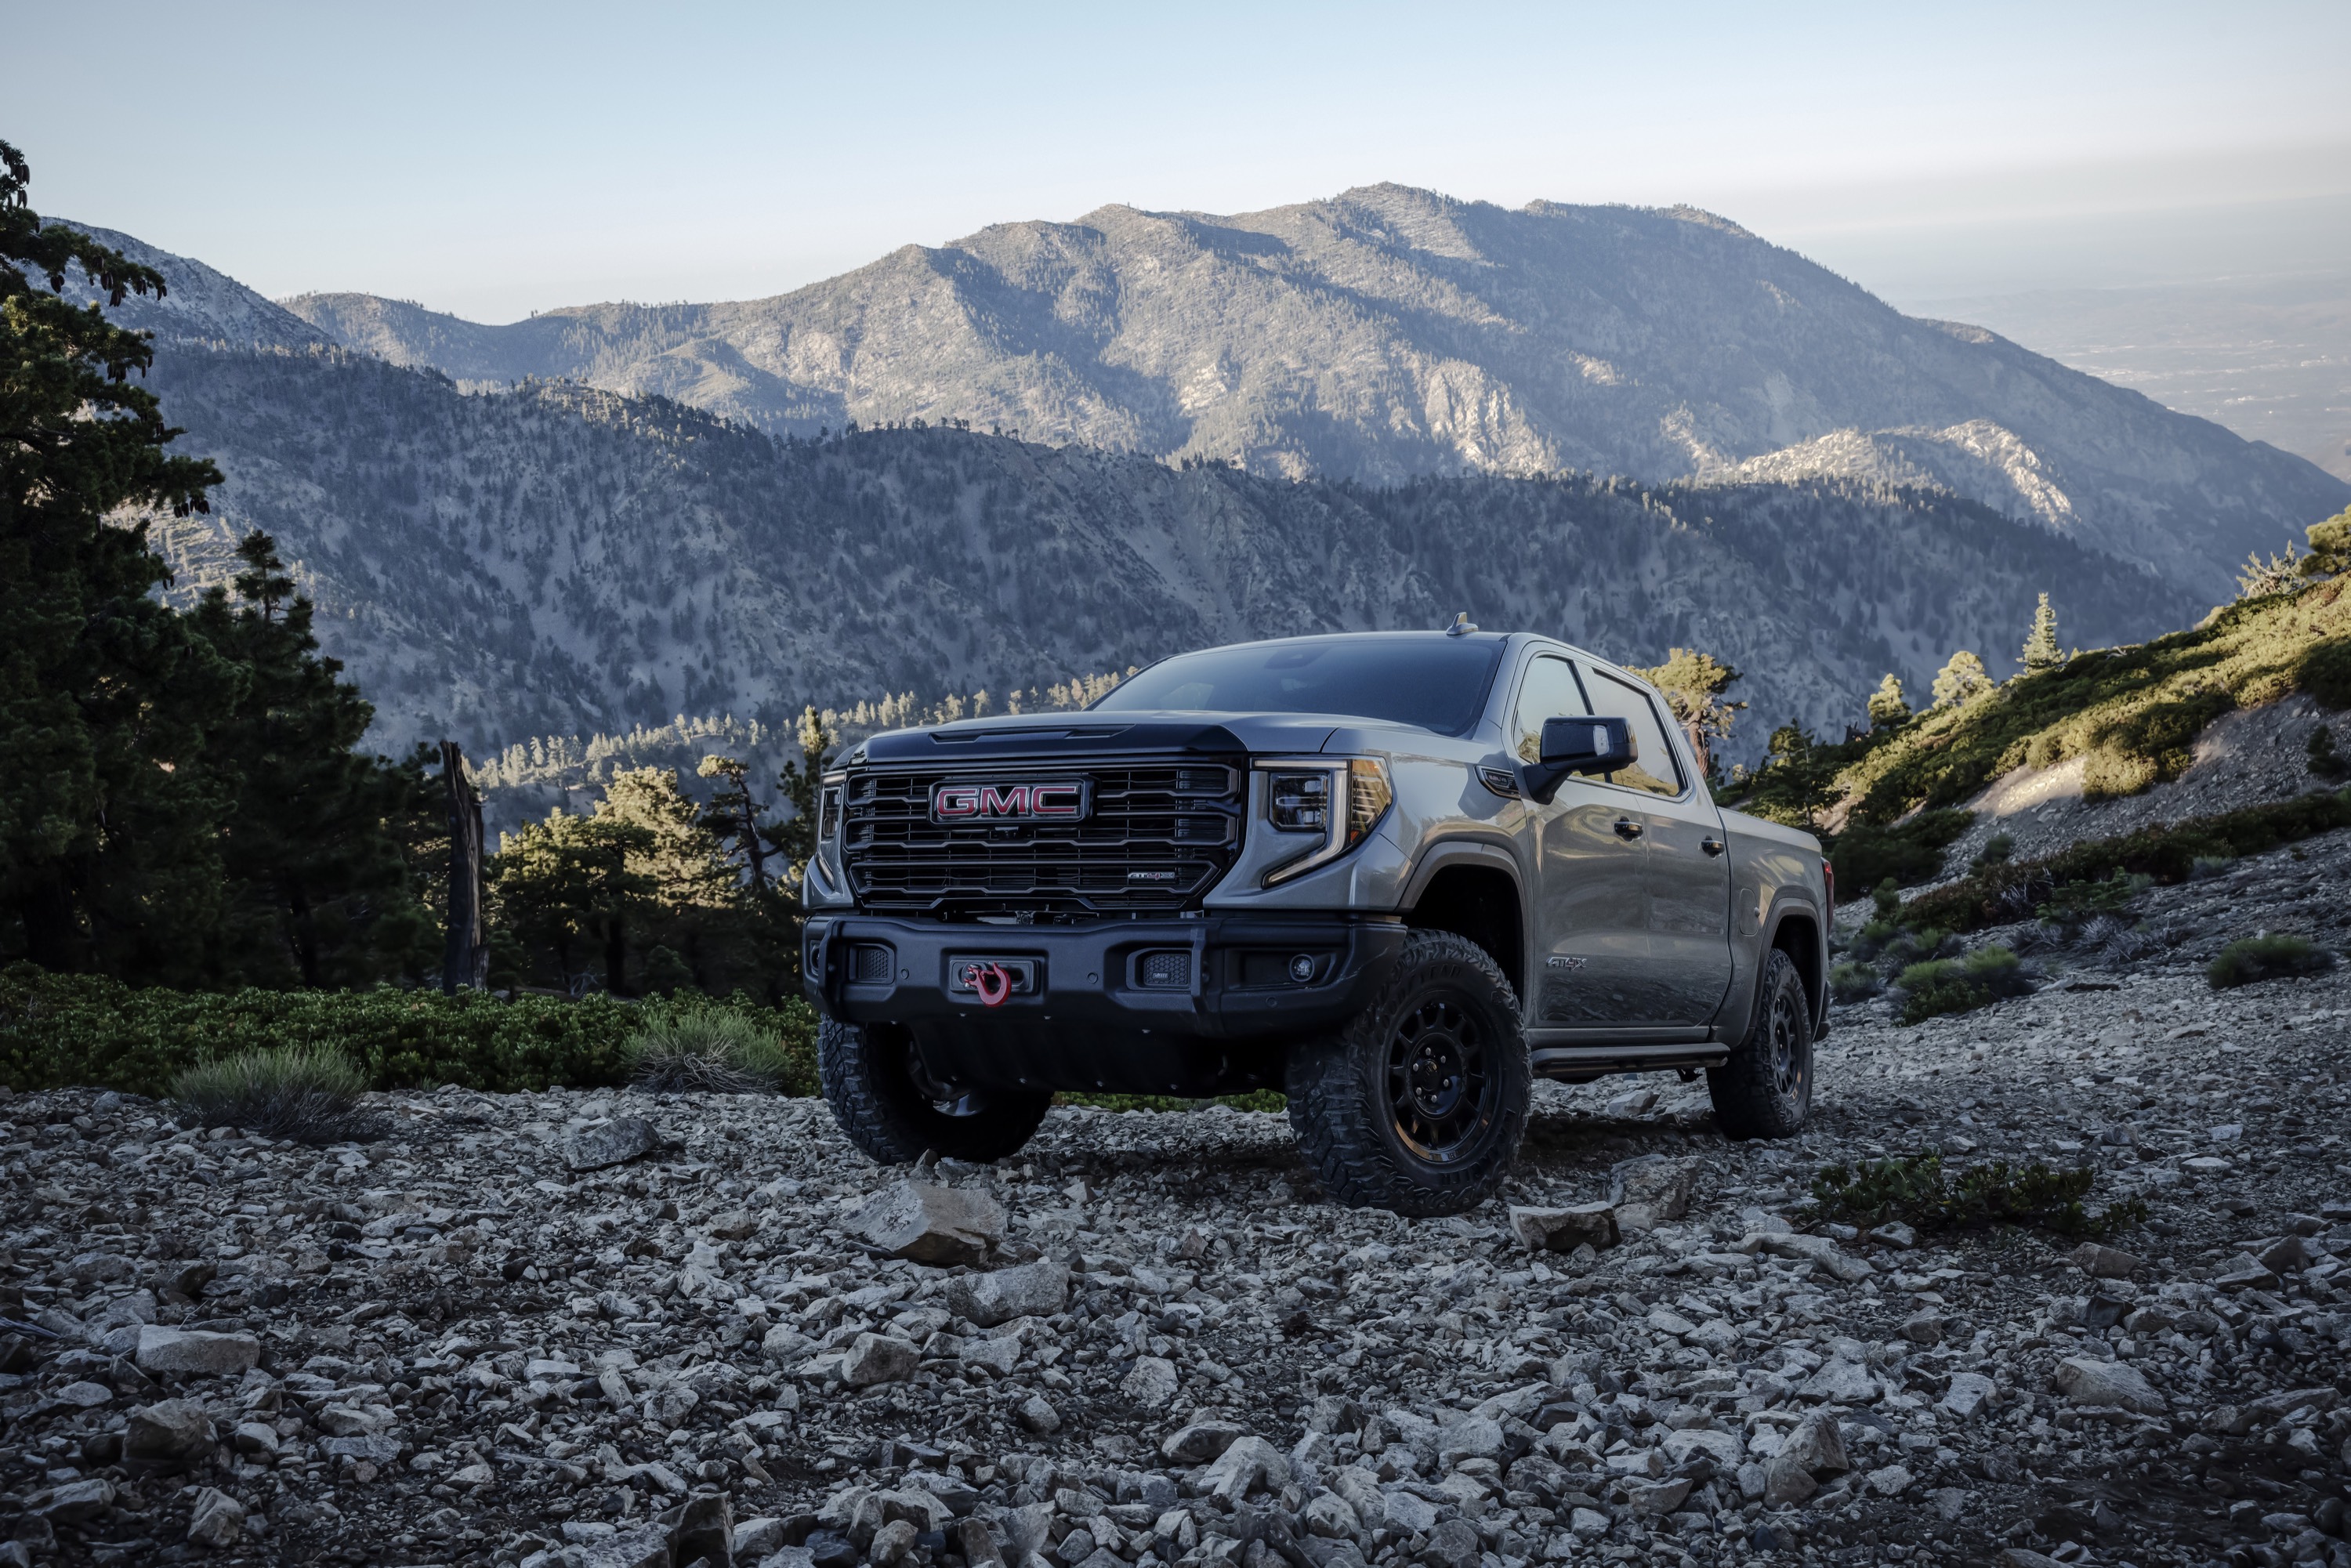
(2273, 956)
(1961, 984)
(1918, 1192)
(57, 1031)
(2325, 761)
(1855, 982)
(717, 1052)
(1998, 849)
(305, 1093)
(1908, 853)
(2167, 855)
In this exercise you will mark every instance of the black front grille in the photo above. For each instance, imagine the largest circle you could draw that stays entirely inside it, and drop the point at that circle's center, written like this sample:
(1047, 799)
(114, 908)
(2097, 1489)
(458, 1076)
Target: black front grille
(1155, 837)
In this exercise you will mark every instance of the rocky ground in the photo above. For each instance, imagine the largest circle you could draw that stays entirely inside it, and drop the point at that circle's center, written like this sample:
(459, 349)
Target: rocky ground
(612, 1328)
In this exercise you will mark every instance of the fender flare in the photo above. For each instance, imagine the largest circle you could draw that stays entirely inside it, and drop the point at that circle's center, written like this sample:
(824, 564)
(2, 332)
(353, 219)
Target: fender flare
(1485, 853)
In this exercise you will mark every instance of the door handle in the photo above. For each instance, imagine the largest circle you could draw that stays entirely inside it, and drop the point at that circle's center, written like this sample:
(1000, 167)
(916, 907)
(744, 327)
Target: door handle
(1626, 828)
(1711, 846)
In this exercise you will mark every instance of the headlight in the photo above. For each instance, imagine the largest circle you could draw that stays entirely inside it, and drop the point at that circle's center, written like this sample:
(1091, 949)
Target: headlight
(1340, 799)
(827, 806)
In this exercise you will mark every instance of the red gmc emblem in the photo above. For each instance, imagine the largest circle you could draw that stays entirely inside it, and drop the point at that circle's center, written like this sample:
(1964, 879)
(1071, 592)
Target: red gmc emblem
(1059, 801)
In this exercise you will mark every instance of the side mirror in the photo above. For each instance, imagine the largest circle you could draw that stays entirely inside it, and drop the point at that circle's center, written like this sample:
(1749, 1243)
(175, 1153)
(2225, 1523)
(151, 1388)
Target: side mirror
(1573, 745)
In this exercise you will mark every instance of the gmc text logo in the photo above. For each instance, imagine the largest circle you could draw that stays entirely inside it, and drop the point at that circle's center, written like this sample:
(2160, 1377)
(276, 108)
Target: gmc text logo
(1054, 803)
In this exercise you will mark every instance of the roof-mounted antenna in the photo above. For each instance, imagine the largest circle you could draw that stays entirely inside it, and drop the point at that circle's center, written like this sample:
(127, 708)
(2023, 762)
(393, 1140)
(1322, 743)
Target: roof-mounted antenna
(1462, 625)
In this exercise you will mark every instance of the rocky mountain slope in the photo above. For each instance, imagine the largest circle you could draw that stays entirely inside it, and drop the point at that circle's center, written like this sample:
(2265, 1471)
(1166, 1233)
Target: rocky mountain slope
(584, 1330)
(1388, 332)
(557, 560)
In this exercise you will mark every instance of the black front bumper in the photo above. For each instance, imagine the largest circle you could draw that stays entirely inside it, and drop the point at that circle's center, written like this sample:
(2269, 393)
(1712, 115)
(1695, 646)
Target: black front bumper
(1194, 1005)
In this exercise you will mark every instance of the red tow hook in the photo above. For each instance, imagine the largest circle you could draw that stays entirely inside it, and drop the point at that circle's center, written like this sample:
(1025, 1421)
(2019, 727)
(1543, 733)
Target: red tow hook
(992, 982)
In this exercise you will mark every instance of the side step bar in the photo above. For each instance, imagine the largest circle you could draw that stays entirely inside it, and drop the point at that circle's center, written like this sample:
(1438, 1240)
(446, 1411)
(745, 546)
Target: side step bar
(1577, 1063)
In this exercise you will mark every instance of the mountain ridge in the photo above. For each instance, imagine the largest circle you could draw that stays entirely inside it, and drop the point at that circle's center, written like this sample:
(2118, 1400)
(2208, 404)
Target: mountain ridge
(1389, 332)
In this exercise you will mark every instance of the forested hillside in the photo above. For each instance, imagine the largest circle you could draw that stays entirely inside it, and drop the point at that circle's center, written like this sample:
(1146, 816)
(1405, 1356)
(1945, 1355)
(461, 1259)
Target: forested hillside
(557, 560)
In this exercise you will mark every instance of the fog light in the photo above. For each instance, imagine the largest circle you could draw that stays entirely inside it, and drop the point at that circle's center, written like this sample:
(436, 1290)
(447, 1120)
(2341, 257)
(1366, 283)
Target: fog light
(1301, 967)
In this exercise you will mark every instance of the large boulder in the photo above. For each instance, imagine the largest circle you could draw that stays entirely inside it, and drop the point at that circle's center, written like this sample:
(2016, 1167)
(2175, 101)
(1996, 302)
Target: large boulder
(1035, 1290)
(167, 1436)
(1651, 1190)
(928, 1223)
(162, 1349)
(613, 1142)
(2087, 1380)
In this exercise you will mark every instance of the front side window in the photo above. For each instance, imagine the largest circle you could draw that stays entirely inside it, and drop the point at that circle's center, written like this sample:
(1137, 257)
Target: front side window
(1654, 768)
(1550, 691)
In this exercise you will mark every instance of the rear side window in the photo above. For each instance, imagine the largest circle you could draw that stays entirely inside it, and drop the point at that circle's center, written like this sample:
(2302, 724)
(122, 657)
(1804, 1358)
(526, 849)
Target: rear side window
(1655, 768)
(1550, 691)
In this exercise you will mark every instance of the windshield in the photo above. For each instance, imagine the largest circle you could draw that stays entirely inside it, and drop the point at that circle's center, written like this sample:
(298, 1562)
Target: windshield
(1435, 682)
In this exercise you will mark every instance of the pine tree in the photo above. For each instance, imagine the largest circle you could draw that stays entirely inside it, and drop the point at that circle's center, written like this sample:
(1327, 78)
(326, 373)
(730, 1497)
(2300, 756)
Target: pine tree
(1693, 683)
(1963, 678)
(2042, 650)
(802, 784)
(736, 816)
(180, 798)
(103, 690)
(1888, 704)
(1800, 778)
(565, 888)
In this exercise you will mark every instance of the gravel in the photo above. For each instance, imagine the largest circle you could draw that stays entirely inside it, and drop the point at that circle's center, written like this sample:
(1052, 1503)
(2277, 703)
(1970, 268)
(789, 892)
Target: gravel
(1147, 1338)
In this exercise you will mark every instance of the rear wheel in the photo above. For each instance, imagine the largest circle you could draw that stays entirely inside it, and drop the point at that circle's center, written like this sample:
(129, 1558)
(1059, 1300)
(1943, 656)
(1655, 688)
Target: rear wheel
(1417, 1105)
(1765, 1089)
(896, 1109)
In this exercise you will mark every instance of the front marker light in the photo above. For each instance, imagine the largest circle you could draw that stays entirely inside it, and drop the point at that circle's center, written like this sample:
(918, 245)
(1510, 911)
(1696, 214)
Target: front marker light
(1369, 795)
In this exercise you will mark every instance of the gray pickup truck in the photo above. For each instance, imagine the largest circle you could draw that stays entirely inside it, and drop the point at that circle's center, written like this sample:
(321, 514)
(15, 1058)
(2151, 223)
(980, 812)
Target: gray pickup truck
(1397, 875)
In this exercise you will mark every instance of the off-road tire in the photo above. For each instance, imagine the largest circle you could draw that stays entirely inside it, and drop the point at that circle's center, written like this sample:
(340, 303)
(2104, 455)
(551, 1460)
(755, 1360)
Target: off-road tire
(1445, 994)
(868, 1076)
(1765, 1089)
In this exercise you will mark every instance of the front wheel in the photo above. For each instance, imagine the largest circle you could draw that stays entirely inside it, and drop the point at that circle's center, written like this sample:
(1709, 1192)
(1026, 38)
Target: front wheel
(1417, 1105)
(1765, 1089)
(891, 1106)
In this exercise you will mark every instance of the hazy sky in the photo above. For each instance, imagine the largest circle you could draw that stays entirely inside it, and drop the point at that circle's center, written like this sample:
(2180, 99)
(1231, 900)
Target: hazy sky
(491, 159)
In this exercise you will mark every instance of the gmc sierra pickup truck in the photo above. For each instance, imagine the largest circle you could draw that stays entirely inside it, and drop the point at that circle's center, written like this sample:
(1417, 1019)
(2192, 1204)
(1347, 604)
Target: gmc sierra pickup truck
(1397, 875)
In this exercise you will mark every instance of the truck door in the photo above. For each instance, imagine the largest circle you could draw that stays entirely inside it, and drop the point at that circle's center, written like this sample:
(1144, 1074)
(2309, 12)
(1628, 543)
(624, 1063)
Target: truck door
(1591, 914)
(1687, 873)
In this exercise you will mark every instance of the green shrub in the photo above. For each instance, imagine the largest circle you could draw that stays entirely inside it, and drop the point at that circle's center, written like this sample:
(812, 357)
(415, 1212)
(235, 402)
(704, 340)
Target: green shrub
(307, 1092)
(1998, 849)
(2167, 854)
(2325, 761)
(716, 1051)
(1917, 1191)
(1906, 853)
(1855, 982)
(1961, 984)
(2270, 957)
(2325, 672)
(63, 1029)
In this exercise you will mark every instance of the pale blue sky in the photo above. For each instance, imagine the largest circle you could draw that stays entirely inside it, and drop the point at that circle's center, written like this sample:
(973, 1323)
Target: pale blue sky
(490, 160)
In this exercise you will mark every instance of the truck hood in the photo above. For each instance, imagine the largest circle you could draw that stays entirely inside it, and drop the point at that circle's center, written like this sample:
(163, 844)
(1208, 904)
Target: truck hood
(1079, 735)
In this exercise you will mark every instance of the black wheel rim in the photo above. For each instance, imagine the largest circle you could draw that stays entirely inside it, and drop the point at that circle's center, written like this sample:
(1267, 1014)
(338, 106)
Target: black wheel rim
(1788, 1048)
(1441, 1085)
(948, 1099)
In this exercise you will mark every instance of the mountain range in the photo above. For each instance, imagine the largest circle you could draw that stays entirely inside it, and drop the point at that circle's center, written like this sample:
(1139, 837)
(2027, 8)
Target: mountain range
(1390, 333)
(589, 521)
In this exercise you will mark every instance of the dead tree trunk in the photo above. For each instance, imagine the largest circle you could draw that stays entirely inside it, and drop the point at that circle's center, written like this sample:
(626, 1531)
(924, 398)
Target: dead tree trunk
(466, 959)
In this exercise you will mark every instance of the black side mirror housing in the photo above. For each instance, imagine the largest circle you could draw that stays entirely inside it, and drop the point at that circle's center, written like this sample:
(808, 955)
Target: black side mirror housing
(1573, 746)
